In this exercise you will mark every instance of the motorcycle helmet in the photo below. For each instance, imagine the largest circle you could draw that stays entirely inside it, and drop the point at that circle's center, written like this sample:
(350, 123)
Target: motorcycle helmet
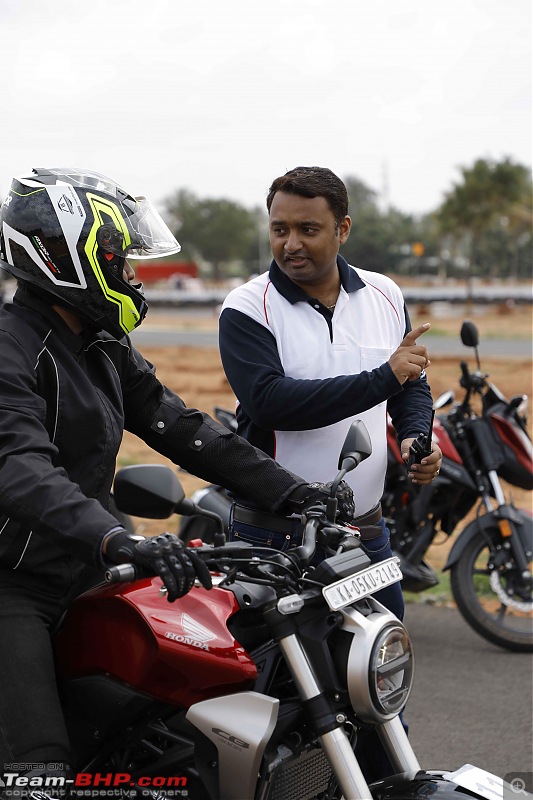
(67, 232)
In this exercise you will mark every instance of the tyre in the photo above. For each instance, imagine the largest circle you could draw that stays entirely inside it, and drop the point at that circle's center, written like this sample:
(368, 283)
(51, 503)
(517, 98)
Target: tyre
(491, 593)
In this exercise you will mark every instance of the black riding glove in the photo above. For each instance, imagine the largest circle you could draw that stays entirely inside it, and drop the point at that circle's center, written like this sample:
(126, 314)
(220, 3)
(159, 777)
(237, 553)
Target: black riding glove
(163, 555)
(305, 496)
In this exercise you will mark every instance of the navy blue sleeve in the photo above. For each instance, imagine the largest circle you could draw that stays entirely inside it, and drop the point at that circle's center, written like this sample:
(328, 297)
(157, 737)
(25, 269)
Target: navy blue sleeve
(274, 401)
(410, 410)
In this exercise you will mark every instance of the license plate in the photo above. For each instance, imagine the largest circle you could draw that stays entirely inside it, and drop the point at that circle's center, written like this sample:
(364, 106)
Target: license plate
(346, 591)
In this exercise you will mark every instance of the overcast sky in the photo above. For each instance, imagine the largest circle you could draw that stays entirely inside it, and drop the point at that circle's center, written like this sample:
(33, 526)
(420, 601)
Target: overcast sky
(222, 97)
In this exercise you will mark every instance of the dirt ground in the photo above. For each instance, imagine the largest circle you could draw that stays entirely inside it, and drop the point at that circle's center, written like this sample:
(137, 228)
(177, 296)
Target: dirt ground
(196, 375)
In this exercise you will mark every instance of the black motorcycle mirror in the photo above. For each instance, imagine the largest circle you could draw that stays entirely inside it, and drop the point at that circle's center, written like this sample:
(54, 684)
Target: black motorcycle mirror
(153, 491)
(357, 446)
(147, 490)
(470, 337)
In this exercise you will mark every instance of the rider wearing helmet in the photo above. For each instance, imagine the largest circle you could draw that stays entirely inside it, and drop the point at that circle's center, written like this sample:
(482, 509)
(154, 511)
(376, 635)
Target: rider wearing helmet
(68, 232)
(71, 382)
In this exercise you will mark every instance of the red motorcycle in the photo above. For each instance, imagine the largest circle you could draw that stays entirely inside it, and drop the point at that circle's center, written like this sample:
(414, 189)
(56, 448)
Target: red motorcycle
(490, 562)
(256, 690)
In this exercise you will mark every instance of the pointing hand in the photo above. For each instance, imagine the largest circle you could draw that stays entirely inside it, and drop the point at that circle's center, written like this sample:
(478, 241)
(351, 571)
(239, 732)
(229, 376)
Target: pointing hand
(408, 361)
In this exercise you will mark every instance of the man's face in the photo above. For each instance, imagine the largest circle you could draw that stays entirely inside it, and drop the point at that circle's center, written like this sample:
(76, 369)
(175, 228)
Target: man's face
(305, 238)
(128, 273)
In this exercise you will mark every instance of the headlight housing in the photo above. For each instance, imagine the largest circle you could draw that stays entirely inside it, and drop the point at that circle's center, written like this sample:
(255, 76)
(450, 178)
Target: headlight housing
(391, 670)
(379, 665)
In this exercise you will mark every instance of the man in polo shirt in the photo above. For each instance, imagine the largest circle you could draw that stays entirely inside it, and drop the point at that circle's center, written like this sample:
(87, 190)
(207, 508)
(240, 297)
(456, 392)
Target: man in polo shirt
(315, 343)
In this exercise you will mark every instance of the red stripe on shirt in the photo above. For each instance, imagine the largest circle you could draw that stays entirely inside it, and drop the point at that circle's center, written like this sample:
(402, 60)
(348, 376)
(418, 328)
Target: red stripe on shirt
(264, 302)
(385, 296)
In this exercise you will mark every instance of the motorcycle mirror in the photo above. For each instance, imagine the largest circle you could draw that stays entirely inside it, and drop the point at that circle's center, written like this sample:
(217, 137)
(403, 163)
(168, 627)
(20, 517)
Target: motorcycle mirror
(147, 490)
(357, 446)
(470, 337)
(469, 334)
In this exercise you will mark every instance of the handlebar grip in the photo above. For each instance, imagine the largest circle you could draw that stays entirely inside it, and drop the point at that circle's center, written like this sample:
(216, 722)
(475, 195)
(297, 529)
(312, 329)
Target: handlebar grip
(127, 572)
(121, 573)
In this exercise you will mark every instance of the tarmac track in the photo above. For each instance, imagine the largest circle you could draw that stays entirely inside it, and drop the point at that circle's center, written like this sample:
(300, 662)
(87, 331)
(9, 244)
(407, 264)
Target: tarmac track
(472, 702)
(147, 336)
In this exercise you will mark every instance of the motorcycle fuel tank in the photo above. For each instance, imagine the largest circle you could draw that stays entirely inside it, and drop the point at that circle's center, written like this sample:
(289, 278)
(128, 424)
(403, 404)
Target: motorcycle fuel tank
(179, 652)
(517, 467)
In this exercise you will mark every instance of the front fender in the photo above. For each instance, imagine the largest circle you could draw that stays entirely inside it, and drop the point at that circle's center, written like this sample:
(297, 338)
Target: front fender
(489, 522)
(418, 786)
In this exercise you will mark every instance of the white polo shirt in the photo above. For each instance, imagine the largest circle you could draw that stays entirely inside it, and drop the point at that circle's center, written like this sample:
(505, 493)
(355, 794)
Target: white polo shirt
(302, 374)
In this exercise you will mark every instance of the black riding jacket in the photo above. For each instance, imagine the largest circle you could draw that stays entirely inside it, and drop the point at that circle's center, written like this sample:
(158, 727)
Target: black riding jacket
(64, 403)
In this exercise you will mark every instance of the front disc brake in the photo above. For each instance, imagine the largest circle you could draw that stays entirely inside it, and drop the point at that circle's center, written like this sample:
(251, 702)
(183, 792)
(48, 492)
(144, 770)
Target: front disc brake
(504, 597)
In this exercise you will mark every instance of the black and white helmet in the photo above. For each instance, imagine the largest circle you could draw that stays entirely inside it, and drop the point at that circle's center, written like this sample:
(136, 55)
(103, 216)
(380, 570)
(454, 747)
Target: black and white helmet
(67, 232)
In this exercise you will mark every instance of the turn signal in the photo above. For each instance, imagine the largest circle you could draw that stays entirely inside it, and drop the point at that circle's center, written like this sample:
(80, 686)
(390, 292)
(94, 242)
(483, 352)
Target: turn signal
(505, 527)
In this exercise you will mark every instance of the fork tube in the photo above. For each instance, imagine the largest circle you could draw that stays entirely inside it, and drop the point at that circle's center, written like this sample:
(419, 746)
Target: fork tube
(335, 743)
(397, 746)
(497, 487)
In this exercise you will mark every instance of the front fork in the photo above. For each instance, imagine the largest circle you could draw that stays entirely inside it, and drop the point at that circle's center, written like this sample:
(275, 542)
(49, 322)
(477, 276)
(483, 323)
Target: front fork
(335, 742)
(507, 521)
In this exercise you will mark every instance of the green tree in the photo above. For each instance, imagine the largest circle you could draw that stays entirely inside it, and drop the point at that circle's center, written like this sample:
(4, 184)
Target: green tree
(367, 244)
(218, 231)
(489, 193)
(519, 226)
(382, 240)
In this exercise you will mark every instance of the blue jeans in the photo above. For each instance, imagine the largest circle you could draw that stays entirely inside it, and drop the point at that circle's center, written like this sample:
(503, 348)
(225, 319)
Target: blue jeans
(376, 549)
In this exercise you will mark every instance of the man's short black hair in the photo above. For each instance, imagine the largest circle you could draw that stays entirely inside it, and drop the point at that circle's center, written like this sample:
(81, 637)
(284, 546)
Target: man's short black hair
(313, 182)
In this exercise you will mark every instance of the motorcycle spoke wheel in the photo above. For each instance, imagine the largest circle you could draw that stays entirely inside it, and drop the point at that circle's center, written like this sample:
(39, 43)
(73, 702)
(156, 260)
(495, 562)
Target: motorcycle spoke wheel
(491, 594)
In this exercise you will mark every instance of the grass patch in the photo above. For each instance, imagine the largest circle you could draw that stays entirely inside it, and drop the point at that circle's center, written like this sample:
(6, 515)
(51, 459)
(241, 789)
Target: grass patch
(439, 595)
(126, 461)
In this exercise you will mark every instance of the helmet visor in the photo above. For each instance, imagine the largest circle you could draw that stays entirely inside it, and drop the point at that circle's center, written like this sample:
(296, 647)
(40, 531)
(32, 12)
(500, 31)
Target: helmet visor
(151, 236)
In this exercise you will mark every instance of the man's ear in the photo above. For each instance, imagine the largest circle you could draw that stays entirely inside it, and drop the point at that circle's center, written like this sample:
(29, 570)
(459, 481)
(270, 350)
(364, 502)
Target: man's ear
(344, 228)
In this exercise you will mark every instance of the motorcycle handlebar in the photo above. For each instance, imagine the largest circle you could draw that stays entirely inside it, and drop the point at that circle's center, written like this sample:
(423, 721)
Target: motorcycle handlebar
(305, 552)
(125, 573)
(471, 381)
(465, 371)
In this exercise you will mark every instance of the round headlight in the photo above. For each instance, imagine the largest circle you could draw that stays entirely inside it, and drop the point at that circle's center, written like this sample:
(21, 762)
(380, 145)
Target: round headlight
(391, 670)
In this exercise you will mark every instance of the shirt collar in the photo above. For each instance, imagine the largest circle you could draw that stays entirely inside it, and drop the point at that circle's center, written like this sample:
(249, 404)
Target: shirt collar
(350, 281)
